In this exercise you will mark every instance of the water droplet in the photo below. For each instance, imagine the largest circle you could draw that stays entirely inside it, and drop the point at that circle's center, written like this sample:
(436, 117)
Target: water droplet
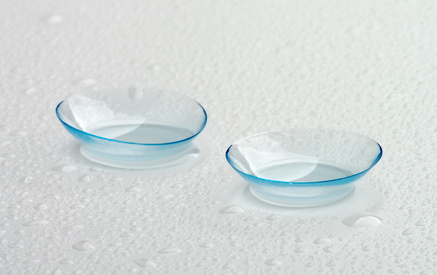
(408, 206)
(5, 143)
(135, 228)
(40, 206)
(299, 240)
(53, 19)
(135, 93)
(328, 249)
(66, 262)
(231, 210)
(166, 197)
(133, 189)
(32, 261)
(84, 246)
(300, 250)
(30, 91)
(36, 223)
(273, 262)
(362, 221)
(251, 219)
(322, 240)
(273, 217)
(57, 271)
(85, 178)
(87, 82)
(18, 134)
(144, 262)
(127, 235)
(407, 232)
(26, 180)
(169, 250)
(75, 227)
(206, 245)
(65, 169)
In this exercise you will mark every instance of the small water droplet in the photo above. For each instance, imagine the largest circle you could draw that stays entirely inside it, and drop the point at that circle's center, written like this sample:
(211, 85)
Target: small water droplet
(40, 206)
(169, 250)
(57, 271)
(408, 206)
(32, 261)
(166, 197)
(144, 262)
(127, 235)
(66, 262)
(87, 82)
(231, 210)
(30, 91)
(328, 249)
(273, 217)
(53, 19)
(26, 180)
(156, 68)
(85, 178)
(362, 221)
(18, 134)
(300, 250)
(206, 245)
(84, 246)
(65, 169)
(322, 240)
(75, 227)
(273, 262)
(133, 189)
(36, 223)
(407, 232)
(135, 228)
(251, 219)
(299, 240)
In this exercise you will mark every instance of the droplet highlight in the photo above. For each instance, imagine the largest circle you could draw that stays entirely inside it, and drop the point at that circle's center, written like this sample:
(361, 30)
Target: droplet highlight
(84, 246)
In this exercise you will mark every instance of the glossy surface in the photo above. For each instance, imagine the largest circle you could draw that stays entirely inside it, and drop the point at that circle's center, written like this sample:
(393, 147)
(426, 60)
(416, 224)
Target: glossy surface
(303, 167)
(132, 128)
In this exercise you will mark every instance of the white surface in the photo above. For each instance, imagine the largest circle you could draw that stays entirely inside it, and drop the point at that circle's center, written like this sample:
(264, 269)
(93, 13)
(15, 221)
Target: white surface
(363, 66)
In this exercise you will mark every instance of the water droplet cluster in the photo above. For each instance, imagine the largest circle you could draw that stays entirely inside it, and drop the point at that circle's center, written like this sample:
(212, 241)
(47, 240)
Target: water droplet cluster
(255, 66)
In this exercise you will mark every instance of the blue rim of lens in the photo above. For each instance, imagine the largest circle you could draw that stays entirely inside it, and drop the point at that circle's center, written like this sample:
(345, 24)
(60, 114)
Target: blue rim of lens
(338, 181)
(136, 143)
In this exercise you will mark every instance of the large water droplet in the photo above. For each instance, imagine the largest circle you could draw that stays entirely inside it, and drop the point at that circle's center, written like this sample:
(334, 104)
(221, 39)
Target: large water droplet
(231, 210)
(84, 246)
(144, 262)
(169, 250)
(273, 262)
(362, 221)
